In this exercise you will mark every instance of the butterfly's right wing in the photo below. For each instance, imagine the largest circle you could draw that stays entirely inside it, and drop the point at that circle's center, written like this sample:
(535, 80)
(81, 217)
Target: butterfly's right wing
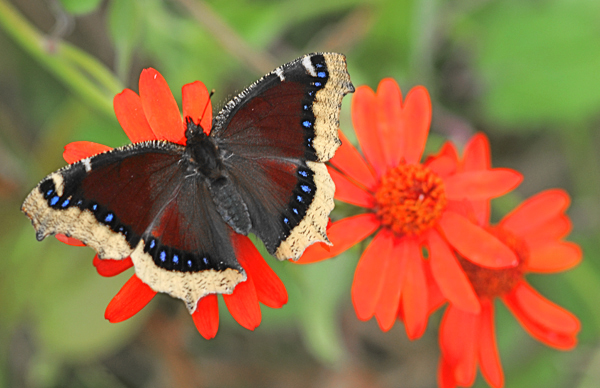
(275, 137)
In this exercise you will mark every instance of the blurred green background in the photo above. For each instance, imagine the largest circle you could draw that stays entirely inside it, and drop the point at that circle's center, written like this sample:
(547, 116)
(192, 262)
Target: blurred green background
(525, 72)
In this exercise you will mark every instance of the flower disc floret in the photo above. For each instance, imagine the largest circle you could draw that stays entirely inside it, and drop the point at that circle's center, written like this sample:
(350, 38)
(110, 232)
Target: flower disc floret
(410, 199)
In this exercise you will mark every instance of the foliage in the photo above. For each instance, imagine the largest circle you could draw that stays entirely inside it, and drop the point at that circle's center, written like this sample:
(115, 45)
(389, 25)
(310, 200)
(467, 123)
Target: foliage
(524, 72)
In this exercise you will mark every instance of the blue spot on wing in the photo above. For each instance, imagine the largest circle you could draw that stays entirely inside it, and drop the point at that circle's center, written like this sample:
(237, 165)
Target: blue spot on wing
(175, 259)
(321, 74)
(303, 173)
(54, 200)
(65, 203)
(305, 188)
(152, 243)
(109, 217)
(306, 124)
(163, 256)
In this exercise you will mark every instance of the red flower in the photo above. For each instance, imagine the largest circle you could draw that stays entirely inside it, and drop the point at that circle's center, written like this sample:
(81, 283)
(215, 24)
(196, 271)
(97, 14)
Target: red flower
(411, 206)
(152, 115)
(534, 232)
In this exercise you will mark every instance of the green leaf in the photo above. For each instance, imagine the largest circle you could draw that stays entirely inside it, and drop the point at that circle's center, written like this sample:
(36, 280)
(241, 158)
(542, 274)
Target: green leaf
(80, 7)
(125, 28)
(124, 22)
(323, 285)
(71, 318)
(389, 41)
(539, 61)
(182, 50)
(56, 287)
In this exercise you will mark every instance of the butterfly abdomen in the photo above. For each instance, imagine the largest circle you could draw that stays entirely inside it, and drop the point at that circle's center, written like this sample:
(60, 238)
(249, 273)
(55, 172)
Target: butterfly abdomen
(205, 164)
(230, 205)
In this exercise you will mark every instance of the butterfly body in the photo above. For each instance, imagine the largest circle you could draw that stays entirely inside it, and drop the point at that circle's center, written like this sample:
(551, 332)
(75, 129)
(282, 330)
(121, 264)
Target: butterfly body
(204, 161)
(175, 209)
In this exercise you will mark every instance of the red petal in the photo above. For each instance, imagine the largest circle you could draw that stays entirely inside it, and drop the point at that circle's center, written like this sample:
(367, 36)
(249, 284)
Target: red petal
(206, 316)
(393, 278)
(391, 128)
(129, 112)
(554, 257)
(133, 296)
(417, 118)
(535, 211)
(109, 268)
(442, 166)
(445, 162)
(69, 240)
(243, 304)
(160, 107)
(489, 359)
(348, 160)
(477, 155)
(196, 104)
(445, 375)
(78, 150)
(551, 230)
(269, 288)
(542, 310)
(481, 212)
(414, 293)
(474, 243)
(459, 332)
(543, 319)
(482, 184)
(364, 116)
(449, 150)
(343, 234)
(435, 298)
(369, 274)
(347, 191)
(449, 276)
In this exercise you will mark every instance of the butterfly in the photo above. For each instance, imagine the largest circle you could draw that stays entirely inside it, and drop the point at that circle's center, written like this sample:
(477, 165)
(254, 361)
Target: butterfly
(174, 208)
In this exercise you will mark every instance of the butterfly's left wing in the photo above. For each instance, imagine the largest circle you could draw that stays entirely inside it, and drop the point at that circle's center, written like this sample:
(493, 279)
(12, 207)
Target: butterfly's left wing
(274, 138)
(141, 201)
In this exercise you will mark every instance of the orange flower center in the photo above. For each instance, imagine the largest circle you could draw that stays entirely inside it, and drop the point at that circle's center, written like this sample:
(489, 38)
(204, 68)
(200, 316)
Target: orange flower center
(490, 283)
(410, 199)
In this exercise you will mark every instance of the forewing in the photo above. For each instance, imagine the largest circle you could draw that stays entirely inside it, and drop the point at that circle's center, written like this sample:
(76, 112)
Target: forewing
(274, 138)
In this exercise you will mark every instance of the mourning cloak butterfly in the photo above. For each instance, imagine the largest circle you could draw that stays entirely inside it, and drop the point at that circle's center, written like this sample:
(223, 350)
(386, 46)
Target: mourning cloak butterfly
(174, 208)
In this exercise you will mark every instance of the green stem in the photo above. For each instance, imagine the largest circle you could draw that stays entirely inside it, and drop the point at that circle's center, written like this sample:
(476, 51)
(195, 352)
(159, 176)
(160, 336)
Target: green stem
(65, 61)
(122, 63)
(583, 161)
(581, 154)
(94, 68)
(584, 280)
(423, 33)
